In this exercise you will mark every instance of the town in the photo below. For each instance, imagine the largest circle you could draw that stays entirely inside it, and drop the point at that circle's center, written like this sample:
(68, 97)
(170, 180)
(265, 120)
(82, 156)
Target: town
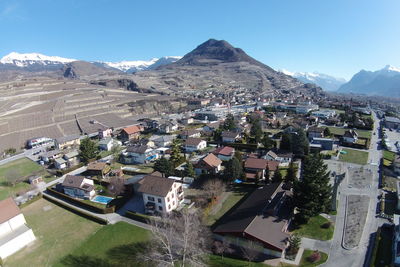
(277, 181)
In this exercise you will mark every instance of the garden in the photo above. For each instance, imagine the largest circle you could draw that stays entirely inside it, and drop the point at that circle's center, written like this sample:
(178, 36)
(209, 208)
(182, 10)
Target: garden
(354, 156)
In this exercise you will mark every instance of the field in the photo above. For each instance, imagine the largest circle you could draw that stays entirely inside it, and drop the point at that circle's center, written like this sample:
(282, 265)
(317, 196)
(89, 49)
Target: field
(389, 155)
(19, 170)
(354, 156)
(340, 131)
(112, 245)
(58, 232)
(313, 229)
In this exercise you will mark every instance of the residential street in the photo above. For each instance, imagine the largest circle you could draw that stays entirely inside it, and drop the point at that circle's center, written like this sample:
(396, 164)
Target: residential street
(359, 256)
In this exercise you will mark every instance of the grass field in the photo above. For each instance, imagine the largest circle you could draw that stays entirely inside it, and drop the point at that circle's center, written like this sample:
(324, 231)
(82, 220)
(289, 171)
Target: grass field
(389, 155)
(112, 245)
(354, 156)
(22, 169)
(233, 198)
(340, 131)
(218, 261)
(313, 229)
(58, 232)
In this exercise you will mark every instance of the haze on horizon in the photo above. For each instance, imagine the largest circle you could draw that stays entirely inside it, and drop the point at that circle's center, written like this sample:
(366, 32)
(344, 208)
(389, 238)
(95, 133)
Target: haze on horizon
(338, 38)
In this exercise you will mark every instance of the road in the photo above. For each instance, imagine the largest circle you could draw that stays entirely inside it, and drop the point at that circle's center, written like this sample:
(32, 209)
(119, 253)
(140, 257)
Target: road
(338, 255)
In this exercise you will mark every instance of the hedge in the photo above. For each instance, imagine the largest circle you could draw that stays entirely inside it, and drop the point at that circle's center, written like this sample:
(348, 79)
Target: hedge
(376, 245)
(76, 211)
(79, 203)
(65, 171)
(137, 216)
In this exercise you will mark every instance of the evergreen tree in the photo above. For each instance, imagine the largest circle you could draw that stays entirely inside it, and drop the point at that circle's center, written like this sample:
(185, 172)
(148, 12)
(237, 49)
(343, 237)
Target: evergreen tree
(164, 166)
(286, 142)
(327, 132)
(267, 142)
(256, 130)
(300, 144)
(312, 193)
(233, 169)
(190, 170)
(277, 176)
(229, 123)
(290, 176)
(176, 153)
(88, 150)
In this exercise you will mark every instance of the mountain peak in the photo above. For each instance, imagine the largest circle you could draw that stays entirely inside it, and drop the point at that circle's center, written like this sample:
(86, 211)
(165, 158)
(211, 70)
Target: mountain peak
(216, 51)
(391, 68)
(25, 59)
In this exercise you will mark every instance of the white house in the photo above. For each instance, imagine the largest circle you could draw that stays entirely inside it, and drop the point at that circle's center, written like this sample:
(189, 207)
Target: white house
(194, 144)
(108, 143)
(350, 136)
(14, 233)
(78, 186)
(160, 195)
(284, 158)
(60, 163)
(139, 154)
(210, 164)
(163, 140)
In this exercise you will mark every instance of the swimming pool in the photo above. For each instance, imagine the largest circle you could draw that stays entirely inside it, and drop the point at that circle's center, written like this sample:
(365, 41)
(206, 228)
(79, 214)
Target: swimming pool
(102, 199)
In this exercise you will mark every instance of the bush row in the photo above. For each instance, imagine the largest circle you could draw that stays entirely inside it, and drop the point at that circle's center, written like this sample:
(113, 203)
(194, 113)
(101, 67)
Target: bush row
(76, 211)
(80, 203)
(137, 216)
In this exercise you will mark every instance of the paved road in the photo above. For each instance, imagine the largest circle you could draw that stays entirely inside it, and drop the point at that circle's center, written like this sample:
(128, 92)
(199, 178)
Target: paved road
(339, 256)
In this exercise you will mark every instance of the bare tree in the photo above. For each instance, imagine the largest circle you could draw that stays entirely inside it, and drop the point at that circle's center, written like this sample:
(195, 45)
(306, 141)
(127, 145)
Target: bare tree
(250, 251)
(214, 187)
(178, 240)
(116, 186)
(222, 247)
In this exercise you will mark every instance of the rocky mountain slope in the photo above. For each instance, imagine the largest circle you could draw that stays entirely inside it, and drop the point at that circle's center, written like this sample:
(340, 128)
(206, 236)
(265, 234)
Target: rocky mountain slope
(325, 81)
(383, 82)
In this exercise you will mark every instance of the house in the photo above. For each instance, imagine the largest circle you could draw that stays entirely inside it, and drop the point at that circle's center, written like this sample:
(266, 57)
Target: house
(189, 133)
(324, 114)
(225, 153)
(194, 144)
(104, 132)
(315, 132)
(168, 127)
(108, 143)
(350, 136)
(160, 195)
(145, 142)
(78, 187)
(14, 232)
(262, 219)
(187, 120)
(163, 140)
(71, 158)
(281, 156)
(210, 164)
(324, 143)
(67, 142)
(34, 180)
(139, 154)
(50, 155)
(254, 167)
(99, 169)
(396, 241)
(392, 122)
(60, 163)
(230, 136)
(211, 127)
(130, 133)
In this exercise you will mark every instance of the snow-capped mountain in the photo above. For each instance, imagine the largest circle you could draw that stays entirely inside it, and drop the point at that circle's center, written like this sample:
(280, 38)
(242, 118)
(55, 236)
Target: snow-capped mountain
(326, 82)
(35, 60)
(384, 82)
(27, 59)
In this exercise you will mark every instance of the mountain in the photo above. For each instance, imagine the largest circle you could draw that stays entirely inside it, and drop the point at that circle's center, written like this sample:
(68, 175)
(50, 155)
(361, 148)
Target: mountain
(383, 82)
(28, 59)
(217, 65)
(326, 82)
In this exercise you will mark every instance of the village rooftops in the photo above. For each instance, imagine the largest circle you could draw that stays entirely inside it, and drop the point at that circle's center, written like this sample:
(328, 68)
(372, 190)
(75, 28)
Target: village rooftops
(155, 185)
(137, 149)
(316, 129)
(76, 182)
(225, 151)
(211, 160)
(191, 141)
(230, 134)
(8, 210)
(261, 164)
(350, 133)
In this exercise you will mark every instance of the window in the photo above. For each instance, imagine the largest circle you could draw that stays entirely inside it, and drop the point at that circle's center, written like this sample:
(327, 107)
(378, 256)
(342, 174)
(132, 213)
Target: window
(173, 203)
(160, 208)
(167, 199)
(169, 207)
(150, 198)
(173, 195)
(159, 200)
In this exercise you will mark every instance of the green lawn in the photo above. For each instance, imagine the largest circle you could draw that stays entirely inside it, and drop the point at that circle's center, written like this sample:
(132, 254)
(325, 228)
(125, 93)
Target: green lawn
(58, 232)
(340, 131)
(233, 198)
(21, 169)
(313, 229)
(389, 155)
(112, 245)
(218, 261)
(354, 156)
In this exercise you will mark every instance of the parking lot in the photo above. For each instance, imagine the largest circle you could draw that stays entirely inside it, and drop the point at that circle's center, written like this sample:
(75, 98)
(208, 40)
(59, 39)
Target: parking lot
(392, 138)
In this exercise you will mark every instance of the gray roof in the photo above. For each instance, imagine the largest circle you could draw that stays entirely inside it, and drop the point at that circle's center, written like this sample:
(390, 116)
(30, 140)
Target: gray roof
(71, 154)
(68, 138)
(137, 149)
(155, 185)
(392, 119)
(76, 182)
(105, 141)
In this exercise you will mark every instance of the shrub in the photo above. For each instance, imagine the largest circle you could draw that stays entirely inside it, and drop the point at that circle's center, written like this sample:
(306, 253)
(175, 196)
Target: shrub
(326, 225)
(314, 257)
(137, 216)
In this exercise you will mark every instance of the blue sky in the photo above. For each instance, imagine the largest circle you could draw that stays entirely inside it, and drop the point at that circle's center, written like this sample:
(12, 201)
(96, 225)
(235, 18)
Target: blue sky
(337, 37)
